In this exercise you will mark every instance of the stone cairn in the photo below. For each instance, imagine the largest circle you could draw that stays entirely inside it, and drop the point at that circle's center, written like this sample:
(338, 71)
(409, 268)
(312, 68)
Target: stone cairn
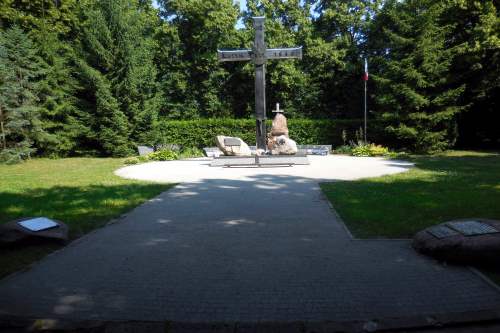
(278, 141)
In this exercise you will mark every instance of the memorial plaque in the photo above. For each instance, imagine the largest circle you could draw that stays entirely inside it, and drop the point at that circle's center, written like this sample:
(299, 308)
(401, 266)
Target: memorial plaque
(234, 55)
(472, 228)
(38, 224)
(441, 231)
(232, 142)
(288, 53)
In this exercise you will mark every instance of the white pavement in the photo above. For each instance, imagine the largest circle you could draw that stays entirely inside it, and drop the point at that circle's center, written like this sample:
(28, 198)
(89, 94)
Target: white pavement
(331, 167)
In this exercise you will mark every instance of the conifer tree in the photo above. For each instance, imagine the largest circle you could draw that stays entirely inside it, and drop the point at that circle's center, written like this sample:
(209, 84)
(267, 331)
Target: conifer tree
(20, 69)
(412, 74)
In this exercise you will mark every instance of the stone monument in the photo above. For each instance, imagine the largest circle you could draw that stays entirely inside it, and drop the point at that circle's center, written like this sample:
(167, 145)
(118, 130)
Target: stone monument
(278, 141)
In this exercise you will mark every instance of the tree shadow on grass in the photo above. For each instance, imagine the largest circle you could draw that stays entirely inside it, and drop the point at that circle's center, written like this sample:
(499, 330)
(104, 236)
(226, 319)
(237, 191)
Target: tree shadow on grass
(82, 208)
(438, 189)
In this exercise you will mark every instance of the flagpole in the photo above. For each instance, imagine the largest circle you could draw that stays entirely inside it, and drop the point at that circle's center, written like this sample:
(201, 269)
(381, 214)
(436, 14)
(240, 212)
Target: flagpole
(365, 112)
(365, 79)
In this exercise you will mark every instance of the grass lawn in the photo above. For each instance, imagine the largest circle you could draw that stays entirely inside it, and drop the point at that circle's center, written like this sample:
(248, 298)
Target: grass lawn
(81, 192)
(456, 184)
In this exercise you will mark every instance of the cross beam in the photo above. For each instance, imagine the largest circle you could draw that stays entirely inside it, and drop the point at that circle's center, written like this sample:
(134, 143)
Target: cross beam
(259, 54)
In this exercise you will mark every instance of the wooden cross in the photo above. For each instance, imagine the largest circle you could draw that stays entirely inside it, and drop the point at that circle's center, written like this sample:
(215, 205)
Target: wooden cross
(259, 54)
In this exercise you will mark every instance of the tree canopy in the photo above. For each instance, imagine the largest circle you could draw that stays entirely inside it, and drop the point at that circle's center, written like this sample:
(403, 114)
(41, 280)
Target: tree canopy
(95, 77)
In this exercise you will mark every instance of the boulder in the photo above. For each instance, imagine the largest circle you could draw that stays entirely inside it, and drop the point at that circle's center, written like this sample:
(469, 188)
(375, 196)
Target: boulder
(282, 145)
(462, 246)
(232, 146)
(12, 232)
(279, 126)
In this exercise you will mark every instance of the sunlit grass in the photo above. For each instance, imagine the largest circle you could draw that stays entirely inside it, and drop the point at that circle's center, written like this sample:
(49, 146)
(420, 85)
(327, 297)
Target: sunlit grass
(456, 184)
(81, 192)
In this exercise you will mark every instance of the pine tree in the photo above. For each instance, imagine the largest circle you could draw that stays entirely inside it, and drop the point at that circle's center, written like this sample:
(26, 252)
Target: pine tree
(412, 74)
(20, 69)
(115, 56)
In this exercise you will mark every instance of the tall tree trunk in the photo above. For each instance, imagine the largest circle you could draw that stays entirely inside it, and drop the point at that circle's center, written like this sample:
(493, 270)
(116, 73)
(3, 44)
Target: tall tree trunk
(2, 130)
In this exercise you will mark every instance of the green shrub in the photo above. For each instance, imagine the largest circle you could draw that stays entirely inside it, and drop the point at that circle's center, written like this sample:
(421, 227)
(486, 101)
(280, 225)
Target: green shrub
(131, 161)
(191, 152)
(163, 155)
(344, 149)
(369, 149)
(201, 133)
(378, 150)
(361, 150)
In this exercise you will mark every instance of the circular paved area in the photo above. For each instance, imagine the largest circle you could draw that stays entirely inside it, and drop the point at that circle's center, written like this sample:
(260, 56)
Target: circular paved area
(243, 245)
(331, 167)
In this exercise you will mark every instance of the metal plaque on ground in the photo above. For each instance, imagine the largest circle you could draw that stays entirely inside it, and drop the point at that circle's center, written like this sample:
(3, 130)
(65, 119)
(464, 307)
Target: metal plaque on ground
(441, 231)
(472, 228)
(38, 224)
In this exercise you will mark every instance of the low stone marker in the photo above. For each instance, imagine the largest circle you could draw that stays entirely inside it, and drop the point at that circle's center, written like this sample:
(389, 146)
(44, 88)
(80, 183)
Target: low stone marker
(144, 150)
(467, 241)
(33, 228)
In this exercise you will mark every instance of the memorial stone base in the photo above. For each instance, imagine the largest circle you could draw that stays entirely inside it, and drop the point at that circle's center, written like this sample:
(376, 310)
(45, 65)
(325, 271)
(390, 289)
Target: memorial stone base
(259, 161)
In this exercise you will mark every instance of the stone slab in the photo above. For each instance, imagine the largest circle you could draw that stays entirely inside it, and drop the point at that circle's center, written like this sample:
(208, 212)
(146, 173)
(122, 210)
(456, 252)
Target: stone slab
(12, 232)
(267, 160)
(144, 150)
(302, 149)
(465, 246)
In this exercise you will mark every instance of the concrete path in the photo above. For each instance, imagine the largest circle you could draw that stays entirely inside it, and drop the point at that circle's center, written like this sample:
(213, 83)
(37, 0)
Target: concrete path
(243, 245)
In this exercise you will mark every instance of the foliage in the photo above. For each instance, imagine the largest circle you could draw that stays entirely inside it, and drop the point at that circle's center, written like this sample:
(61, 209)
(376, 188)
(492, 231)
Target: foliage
(415, 91)
(369, 149)
(202, 132)
(343, 150)
(108, 74)
(163, 155)
(20, 69)
(190, 152)
(81, 192)
(131, 161)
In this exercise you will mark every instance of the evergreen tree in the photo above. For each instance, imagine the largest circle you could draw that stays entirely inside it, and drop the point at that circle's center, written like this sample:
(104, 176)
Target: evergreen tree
(475, 35)
(412, 74)
(20, 68)
(115, 56)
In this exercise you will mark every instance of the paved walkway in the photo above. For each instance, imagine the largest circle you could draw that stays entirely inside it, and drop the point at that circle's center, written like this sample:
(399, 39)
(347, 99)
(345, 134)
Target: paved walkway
(242, 245)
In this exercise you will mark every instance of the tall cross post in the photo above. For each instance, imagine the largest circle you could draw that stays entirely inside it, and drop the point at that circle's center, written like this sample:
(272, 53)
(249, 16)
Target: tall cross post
(259, 54)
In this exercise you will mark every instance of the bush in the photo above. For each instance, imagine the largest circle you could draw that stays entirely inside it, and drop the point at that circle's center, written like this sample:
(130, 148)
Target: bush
(344, 149)
(131, 161)
(191, 152)
(369, 149)
(163, 155)
(201, 133)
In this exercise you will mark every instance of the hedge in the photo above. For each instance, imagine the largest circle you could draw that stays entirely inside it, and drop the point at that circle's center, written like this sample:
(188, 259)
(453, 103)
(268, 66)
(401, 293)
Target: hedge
(201, 132)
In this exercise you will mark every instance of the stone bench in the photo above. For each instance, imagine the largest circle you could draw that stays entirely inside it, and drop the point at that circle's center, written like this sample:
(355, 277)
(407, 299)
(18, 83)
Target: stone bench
(303, 149)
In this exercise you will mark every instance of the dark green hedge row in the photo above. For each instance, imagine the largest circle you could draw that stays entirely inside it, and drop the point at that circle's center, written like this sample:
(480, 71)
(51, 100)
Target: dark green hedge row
(201, 132)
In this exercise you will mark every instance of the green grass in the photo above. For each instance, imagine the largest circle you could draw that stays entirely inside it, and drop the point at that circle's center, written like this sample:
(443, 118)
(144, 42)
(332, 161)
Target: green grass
(456, 184)
(440, 188)
(81, 192)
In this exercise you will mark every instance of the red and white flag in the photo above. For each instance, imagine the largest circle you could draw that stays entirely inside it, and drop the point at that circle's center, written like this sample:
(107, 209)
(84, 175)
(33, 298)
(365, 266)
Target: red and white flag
(365, 75)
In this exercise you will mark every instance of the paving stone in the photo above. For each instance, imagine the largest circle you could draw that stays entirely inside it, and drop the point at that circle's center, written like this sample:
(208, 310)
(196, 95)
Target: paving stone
(265, 248)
